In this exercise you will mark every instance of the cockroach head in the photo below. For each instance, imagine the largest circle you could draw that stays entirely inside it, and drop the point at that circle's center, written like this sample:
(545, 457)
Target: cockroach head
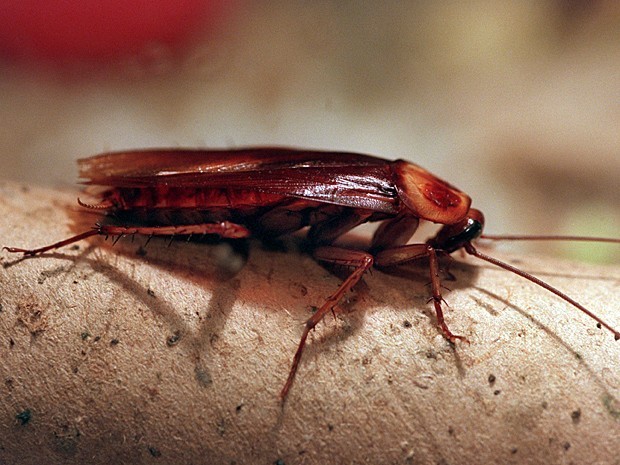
(427, 196)
(455, 236)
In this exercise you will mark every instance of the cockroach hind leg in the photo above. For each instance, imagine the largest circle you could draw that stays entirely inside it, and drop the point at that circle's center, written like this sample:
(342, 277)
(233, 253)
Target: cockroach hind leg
(295, 365)
(223, 229)
(362, 261)
(56, 245)
(308, 326)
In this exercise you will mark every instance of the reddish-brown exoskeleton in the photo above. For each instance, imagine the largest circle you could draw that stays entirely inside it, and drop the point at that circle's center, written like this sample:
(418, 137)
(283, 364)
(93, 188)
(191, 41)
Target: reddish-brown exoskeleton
(275, 191)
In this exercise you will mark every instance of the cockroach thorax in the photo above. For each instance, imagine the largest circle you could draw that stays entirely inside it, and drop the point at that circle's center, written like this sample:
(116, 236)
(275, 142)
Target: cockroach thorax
(428, 196)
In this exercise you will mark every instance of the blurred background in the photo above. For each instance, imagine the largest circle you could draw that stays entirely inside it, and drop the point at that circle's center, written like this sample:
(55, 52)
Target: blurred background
(516, 103)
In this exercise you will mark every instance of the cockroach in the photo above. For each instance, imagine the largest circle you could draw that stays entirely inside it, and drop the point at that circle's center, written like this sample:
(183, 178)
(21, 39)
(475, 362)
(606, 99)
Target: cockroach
(268, 192)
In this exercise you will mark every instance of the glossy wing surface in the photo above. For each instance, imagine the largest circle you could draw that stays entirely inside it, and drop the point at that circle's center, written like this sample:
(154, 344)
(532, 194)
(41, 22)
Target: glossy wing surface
(156, 163)
(349, 179)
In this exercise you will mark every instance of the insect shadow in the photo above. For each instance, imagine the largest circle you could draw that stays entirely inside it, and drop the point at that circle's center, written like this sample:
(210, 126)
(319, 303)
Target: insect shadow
(213, 268)
(210, 263)
(209, 273)
(202, 263)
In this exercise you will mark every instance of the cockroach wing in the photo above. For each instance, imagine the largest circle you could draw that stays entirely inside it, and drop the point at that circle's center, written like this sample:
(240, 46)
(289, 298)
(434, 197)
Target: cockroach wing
(347, 179)
(164, 162)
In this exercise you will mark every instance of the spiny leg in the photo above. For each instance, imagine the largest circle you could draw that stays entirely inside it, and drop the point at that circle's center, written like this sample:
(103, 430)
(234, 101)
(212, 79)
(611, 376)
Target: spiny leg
(362, 261)
(437, 298)
(223, 229)
(55, 245)
(408, 253)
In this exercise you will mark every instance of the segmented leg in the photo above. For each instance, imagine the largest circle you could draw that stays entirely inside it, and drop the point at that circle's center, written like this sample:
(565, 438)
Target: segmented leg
(394, 232)
(362, 261)
(407, 253)
(325, 232)
(437, 298)
(223, 229)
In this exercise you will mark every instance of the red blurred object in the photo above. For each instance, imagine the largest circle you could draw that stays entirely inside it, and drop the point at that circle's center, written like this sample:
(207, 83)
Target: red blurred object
(102, 30)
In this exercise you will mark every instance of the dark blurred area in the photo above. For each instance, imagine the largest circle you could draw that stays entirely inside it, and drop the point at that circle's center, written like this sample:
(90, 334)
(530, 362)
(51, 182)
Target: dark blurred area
(517, 103)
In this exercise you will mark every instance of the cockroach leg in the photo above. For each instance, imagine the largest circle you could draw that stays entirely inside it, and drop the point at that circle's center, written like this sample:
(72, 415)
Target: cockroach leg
(408, 253)
(283, 219)
(223, 229)
(448, 275)
(103, 205)
(330, 229)
(437, 298)
(56, 245)
(394, 232)
(362, 261)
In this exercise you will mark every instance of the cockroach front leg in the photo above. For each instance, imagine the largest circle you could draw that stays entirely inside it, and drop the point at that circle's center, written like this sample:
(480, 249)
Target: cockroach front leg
(362, 261)
(408, 253)
(224, 229)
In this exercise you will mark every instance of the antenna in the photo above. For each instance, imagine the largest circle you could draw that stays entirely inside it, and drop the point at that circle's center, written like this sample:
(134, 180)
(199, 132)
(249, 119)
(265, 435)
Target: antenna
(472, 251)
(510, 237)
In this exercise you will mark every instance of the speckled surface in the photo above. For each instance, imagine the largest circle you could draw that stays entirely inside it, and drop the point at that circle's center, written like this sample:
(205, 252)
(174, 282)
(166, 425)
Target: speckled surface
(168, 355)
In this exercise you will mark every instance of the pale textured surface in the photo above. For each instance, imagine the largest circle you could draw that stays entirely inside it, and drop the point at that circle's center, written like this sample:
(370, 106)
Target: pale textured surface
(85, 346)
